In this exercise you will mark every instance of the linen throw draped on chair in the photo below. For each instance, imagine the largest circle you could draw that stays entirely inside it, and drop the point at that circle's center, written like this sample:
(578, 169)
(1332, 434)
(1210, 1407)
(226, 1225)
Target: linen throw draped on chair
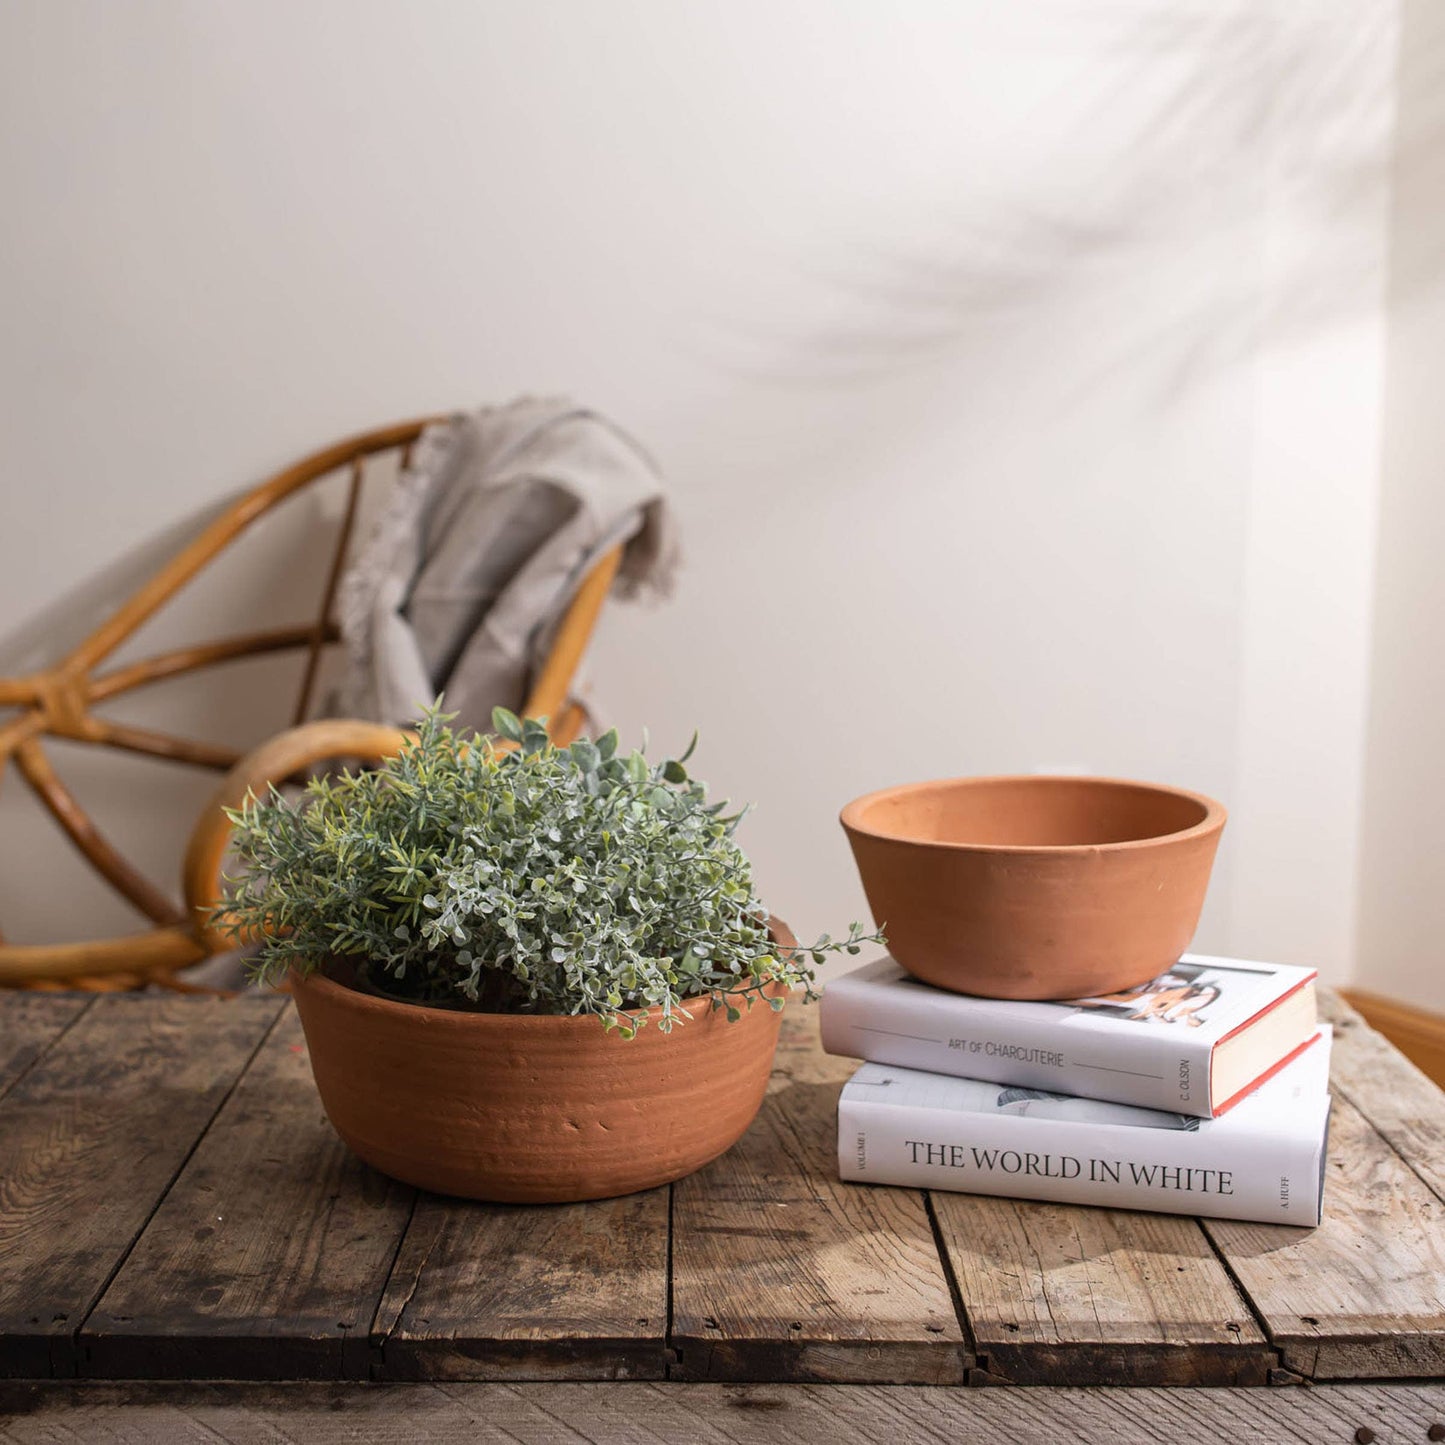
(480, 548)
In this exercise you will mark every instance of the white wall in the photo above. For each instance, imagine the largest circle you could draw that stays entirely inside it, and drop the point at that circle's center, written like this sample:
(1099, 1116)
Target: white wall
(1314, 499)
(979, 342)
(1402, 912)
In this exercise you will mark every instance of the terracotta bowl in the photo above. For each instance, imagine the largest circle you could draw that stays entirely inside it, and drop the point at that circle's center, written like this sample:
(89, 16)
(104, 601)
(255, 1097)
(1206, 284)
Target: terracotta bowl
(532, 1110)
(1035, 887)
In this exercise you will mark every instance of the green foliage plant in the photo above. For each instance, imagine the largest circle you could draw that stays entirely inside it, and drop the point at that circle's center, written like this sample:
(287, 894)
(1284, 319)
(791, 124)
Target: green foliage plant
(515, 879)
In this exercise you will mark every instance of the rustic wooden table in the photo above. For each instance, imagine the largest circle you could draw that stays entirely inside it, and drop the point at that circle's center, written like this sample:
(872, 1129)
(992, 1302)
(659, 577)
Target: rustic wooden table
(175, 1208)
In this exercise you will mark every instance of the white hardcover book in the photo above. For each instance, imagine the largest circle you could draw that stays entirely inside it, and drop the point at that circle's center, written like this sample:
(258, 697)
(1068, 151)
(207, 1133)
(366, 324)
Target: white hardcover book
(1195, 1040)
(1262, 1161)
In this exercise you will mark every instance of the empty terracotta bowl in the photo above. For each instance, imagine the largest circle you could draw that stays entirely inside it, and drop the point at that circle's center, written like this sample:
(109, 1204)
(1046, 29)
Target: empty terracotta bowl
(1035, 887)
(532, 1109)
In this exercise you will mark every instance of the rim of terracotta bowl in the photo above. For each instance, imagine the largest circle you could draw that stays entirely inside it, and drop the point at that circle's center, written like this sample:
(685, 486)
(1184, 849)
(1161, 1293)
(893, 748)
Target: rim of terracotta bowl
(1214, 818)
(379, 1003)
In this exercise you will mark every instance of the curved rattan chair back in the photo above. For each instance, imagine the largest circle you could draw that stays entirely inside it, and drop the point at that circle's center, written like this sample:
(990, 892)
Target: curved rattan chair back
(60, 702)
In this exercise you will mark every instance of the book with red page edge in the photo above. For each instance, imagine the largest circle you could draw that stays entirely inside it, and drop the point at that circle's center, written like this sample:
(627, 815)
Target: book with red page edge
(1246, 1089)
(1194, 1040)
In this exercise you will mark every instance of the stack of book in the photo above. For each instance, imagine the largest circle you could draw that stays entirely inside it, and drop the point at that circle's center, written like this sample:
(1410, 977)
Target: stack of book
(1203, 1092)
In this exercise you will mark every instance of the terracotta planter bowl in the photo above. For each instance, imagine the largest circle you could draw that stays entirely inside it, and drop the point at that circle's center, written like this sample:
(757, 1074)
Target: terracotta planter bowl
(531, 1110)
(1035, 887)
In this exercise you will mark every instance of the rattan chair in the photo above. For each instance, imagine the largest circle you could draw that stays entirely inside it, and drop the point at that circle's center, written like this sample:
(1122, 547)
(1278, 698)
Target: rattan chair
(60, 702)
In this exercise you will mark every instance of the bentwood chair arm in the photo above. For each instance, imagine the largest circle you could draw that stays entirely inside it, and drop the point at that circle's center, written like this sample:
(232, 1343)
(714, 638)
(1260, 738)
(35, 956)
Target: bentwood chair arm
(59, 702)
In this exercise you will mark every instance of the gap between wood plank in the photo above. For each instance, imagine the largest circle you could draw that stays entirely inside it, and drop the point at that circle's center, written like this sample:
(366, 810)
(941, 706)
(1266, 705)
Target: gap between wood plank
(965, 1325)
(115, 1269)
(380, 1330)
(1256, 1313)
(267, 1256)
(783, 1271)
(669, 1350)
(44, 1052)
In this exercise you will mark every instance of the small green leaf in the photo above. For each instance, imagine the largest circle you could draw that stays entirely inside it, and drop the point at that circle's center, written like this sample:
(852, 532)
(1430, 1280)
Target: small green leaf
(507, 723)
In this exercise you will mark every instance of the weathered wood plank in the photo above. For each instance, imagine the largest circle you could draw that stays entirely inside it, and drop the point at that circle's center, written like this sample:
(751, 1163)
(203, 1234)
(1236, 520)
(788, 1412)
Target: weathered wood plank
(644, 1414)
(498, 1292)
(268, 1256)
(29, 1024)
(1419, 1034)
(90, 1139)
(1062, 1295)
(1362, 1296)
(781, 1271)
(1400, 1101)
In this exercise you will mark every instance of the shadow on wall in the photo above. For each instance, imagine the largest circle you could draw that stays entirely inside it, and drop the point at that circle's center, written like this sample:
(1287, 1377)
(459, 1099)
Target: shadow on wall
(47, 635)
(1217, 120)
(1418, 220)
(1402, 909)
